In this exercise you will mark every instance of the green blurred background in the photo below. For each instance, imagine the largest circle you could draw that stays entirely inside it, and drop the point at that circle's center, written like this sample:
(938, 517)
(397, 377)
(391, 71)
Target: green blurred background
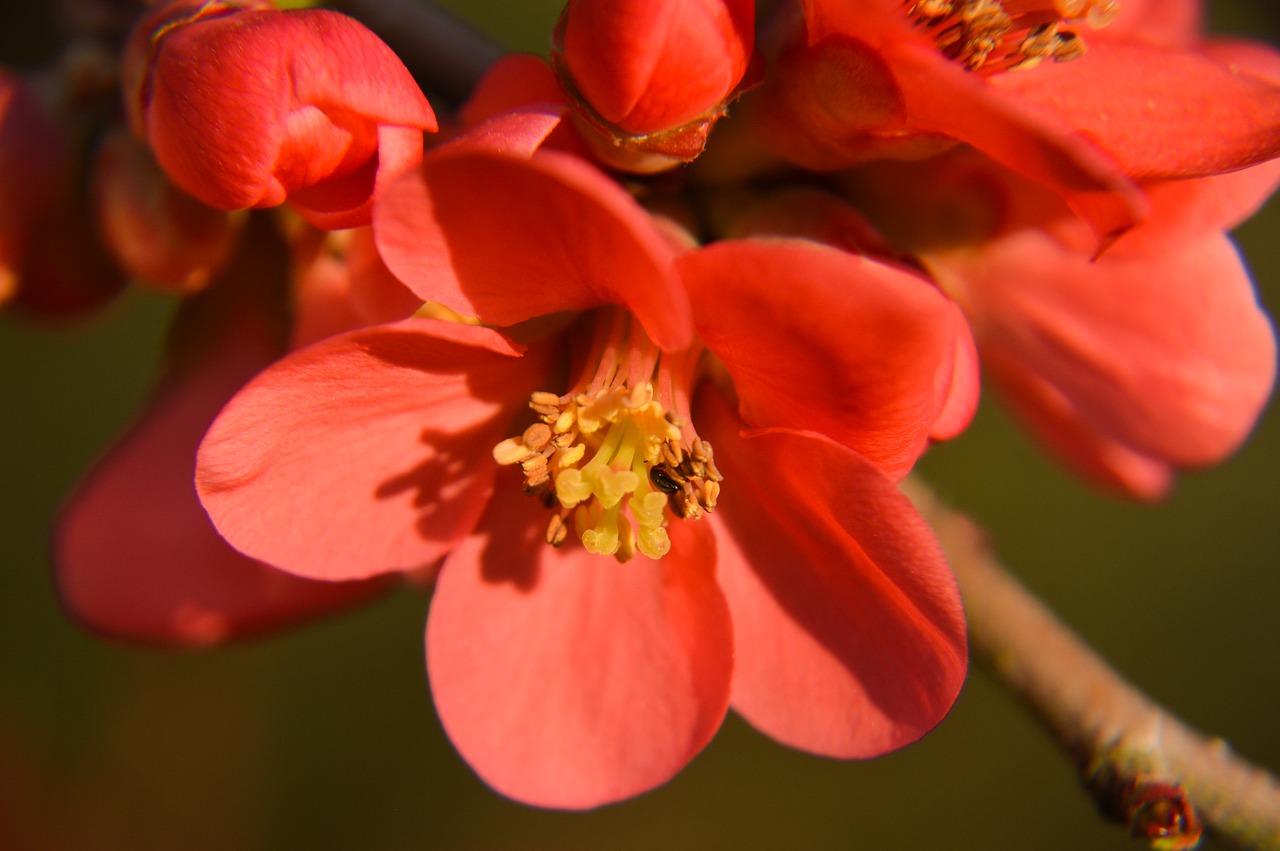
(326, 737)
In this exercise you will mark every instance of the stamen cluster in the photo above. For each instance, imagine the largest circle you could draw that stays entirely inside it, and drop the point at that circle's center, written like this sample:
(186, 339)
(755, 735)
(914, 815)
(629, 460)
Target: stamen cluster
(589, 450)
(990, 35)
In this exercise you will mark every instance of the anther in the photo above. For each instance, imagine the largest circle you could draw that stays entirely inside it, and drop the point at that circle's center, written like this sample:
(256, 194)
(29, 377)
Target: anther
(537, 436)
(557, 530)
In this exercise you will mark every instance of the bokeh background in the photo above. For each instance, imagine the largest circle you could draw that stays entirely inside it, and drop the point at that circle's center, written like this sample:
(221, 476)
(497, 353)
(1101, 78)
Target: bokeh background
(325, 736)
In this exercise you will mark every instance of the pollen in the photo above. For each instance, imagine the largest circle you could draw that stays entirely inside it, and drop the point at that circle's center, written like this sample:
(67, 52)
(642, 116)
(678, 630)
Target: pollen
(616, 464)
(989, 36)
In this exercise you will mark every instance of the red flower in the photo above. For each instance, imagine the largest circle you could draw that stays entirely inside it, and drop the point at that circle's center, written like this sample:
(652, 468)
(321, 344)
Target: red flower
(800, 584)
(650, 79)
(1153, 357)
(1146, 100)
(306, 106)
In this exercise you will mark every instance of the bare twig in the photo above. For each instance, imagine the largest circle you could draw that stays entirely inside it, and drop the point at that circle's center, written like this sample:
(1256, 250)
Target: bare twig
(1145, 767)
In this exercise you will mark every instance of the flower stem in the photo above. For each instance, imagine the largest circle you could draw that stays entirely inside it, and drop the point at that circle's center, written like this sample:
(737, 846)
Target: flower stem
(1143, 765)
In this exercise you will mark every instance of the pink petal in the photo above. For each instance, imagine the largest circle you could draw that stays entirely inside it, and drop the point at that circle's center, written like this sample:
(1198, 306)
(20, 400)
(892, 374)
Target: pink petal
(1157, 112)
(964, 391)
(1169, 22)
(367, 452)
(833, 342)
(566, 679)
(848, 630)
(1065, 431)
(1040, 144)
(135, 554)
(1169, 355)
(509, 239)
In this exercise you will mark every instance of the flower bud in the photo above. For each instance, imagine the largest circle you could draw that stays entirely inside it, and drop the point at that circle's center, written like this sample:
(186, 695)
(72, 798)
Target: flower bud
(650, 78)
(248, 106)
(154, 230)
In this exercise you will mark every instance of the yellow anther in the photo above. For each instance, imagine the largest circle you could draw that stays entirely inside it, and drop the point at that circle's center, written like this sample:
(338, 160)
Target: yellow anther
(590, 451)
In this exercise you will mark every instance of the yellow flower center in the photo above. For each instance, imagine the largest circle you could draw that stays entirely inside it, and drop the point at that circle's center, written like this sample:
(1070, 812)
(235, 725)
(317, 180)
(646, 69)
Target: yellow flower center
(612, 458)
(988, 36)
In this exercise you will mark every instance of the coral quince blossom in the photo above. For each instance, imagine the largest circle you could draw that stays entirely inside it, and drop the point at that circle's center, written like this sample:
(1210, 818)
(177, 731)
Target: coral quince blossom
(1082, 96)
(608, 583)
(1153, 357)
(650, 79)
(307, 105)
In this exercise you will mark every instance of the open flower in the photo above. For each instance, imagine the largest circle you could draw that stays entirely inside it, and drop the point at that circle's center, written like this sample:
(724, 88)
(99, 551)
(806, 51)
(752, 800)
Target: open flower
(1082, 96)
(307, 106)
(609, 583)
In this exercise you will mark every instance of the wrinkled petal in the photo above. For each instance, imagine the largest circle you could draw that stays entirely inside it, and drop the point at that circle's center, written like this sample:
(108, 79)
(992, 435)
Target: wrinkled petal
(509, 239)
(849, 635)
(833, 342)
(566, 679)
(365, 453)
(135, 554)
(1169, 355)
(1177, 114)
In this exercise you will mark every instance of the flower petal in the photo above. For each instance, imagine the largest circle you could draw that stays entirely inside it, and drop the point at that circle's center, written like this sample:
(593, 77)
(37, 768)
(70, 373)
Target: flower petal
(1177, 114)
(1040, 144)
(367, 452)
(822, 339)
(566, 679)
(135, 554)
(1168, 354)
(1065, 431)
(849, 635)
(509, 239)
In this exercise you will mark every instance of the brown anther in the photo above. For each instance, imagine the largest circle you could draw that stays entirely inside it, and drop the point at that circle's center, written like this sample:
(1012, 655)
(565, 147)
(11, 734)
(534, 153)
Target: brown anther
(533, 464)
(557, 531)
(711, 472)
(710, 495)
(672, 454)
(537, 436)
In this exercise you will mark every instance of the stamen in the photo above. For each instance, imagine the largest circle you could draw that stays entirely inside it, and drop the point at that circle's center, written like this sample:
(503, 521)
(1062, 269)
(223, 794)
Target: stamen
(612, 456)
(989, 36)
